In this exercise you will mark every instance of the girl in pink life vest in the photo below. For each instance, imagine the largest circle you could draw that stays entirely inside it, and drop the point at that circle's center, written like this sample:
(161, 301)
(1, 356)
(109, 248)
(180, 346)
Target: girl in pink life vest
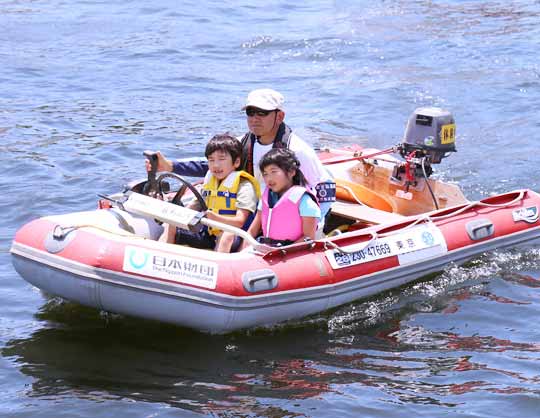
(287, 211)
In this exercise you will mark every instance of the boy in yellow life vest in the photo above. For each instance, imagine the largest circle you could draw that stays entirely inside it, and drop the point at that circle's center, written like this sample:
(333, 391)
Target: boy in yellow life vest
(231, 196)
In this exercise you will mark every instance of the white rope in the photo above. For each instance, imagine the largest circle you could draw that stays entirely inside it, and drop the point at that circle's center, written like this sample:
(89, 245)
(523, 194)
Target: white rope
(66, 229)
(353, 194)
(427, 219)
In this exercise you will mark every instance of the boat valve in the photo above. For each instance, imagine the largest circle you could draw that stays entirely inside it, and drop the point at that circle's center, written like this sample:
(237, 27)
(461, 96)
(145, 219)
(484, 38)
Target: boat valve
(59, 238)
(58, 233)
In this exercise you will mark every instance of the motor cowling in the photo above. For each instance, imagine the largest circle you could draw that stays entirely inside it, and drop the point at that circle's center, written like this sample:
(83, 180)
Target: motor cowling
(432, 132)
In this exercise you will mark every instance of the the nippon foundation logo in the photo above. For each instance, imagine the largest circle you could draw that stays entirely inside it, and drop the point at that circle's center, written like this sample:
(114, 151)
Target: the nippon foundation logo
(137, 259)
(428, 238)
(529, 215)
(171, 267)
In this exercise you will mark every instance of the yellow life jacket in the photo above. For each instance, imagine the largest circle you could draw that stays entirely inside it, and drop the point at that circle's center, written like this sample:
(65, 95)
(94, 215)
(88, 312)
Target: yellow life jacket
(221, 197)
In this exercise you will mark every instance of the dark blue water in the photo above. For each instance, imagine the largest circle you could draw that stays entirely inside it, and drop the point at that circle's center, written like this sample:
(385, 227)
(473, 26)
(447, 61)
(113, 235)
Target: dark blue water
(86, 86)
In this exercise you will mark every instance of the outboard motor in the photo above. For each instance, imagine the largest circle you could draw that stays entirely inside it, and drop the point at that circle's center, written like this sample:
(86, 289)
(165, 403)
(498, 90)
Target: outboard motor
(431, 131)
(430, 136)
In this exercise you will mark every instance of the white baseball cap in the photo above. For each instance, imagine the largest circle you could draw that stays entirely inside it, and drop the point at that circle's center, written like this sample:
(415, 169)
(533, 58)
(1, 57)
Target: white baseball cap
(265, 99)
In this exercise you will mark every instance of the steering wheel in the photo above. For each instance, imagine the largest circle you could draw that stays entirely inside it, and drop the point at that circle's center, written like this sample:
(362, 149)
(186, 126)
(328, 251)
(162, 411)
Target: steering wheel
(177, 199)
(154, 188)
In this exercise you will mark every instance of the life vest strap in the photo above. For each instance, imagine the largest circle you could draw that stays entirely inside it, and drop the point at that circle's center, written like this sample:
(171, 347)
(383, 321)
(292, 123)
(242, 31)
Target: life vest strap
(227, 212)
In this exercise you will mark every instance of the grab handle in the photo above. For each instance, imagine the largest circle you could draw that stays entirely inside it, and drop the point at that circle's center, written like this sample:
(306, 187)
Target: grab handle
(480, 229)
(259, 280)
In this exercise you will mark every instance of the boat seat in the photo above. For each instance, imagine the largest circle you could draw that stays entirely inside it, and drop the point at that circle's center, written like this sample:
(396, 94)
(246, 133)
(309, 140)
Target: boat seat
(364, 213)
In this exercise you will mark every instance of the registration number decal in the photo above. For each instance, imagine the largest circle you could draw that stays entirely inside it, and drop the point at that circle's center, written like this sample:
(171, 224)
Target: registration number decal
(410, 245)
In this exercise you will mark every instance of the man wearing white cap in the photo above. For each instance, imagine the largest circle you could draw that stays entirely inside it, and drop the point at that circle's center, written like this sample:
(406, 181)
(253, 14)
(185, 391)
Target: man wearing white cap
(265, 114)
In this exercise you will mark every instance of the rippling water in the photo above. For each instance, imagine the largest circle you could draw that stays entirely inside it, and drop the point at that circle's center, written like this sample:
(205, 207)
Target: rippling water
(86, 86)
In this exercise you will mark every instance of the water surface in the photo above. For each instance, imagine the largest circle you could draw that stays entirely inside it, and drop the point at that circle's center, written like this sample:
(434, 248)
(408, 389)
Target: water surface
(88, 85)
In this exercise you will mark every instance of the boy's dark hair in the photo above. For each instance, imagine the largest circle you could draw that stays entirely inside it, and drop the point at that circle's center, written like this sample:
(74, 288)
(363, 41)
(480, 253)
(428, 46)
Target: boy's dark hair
(286, 160)
(226, 143)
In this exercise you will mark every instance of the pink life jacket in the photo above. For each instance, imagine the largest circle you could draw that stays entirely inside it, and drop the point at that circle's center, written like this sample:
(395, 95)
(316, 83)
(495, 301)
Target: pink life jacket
(283, 221)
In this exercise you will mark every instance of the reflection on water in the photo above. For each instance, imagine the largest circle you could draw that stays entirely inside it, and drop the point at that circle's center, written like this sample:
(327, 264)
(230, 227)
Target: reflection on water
(89, 354)
(388, 344)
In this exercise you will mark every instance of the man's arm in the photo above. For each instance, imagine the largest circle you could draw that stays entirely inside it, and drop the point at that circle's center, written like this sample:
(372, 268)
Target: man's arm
(193, 167)
(190, 167)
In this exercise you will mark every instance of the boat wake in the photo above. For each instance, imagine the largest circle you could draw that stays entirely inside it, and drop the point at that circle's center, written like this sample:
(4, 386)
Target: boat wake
(434, 293)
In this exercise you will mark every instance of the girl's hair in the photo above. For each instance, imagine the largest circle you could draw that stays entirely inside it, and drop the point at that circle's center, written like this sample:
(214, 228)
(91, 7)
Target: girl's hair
(226, 143)
(286, 160)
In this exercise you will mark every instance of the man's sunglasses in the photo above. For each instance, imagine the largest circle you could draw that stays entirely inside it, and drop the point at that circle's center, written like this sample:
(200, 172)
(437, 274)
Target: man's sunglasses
(259, 112)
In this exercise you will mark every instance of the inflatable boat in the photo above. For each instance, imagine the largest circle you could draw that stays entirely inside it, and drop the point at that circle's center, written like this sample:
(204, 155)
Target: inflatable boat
(391, 224)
